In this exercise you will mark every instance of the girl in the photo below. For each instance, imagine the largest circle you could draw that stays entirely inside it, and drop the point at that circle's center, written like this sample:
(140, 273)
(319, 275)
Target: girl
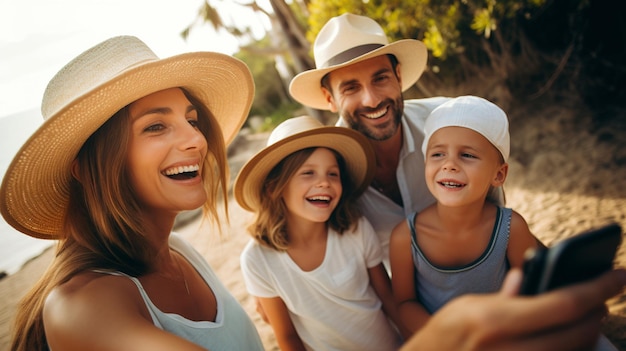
(129, 142)
(463, 243)
(314, 264)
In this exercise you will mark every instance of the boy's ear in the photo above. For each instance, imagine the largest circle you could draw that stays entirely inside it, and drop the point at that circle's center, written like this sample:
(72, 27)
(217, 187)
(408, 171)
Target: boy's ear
(501, 174)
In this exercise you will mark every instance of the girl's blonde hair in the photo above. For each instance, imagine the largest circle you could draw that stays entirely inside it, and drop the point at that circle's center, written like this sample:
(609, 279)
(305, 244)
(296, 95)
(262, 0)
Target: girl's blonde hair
(103, 222)
(270, 228)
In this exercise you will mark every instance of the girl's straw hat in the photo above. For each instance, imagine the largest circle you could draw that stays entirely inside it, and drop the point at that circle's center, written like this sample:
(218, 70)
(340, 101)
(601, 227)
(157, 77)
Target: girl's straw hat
(300, 133)
(347, 39)
(85, 94)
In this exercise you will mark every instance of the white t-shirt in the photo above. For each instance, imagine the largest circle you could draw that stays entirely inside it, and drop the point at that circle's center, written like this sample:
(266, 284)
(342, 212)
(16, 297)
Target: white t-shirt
(332, 307)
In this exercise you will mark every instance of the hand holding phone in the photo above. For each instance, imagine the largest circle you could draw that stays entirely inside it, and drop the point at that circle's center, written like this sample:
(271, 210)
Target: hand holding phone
(575, 259)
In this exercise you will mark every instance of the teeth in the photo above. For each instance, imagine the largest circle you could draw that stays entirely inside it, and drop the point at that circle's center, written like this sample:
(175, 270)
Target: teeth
(375, 115)
(319, 198)
(181, 169)
(451, 184)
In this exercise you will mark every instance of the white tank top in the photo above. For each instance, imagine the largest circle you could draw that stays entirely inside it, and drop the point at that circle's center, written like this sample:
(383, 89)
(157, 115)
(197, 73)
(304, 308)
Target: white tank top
(232, 329)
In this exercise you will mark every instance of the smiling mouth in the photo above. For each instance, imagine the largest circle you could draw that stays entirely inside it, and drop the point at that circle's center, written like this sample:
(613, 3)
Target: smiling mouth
(452, 185)
(376, 114)
(319, 199)
(182, 172)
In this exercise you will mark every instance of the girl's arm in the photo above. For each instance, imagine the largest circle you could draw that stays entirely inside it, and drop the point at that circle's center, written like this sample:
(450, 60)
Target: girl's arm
(412, 314)
(379, 280)
(278, 317)
(520, 240)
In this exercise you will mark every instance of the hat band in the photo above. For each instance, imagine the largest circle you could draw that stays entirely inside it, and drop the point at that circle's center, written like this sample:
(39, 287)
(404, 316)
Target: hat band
(350, 54)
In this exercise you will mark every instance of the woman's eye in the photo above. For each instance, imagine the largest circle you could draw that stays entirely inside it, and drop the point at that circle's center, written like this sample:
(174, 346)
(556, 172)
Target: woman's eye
(154, 128)
(194, 123)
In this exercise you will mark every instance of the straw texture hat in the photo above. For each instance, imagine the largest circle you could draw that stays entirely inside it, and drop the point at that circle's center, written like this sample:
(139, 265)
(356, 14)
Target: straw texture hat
(85, 94)
(300, 133)
(475, 113)
(348, 39)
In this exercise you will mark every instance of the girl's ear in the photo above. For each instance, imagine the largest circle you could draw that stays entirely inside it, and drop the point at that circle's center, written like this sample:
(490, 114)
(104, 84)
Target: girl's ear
(269, 188)
(501, 174)
(75, 168)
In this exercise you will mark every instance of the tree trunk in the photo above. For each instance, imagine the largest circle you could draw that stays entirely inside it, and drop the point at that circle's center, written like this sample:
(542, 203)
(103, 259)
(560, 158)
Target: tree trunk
(297, 45)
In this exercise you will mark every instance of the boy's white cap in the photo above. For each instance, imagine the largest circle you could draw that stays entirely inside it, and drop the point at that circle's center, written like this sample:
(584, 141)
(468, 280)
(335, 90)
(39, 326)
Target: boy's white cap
(475, 113)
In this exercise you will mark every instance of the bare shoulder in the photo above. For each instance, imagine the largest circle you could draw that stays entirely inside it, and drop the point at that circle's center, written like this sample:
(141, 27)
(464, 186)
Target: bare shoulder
(520, 230)
(88, 306)
(87, 289)
(400, 231)
(520, 240)
(518, 222)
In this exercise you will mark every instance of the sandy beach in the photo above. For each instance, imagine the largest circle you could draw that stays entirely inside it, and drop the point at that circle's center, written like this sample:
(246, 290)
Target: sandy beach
(566, 175)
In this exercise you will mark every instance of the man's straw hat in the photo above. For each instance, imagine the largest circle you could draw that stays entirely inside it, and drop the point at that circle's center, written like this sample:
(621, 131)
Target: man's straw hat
(85, 94)
(348, 39)
(300, 133)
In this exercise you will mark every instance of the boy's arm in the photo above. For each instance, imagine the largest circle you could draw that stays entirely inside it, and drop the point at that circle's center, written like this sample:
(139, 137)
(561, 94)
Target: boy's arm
(412, 314)
(278, 317)
(520, 240)
(379, 280)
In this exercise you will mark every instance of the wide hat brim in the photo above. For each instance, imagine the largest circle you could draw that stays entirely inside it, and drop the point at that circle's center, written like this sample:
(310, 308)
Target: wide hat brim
(352, 145)
(411, 54)
(35, 188)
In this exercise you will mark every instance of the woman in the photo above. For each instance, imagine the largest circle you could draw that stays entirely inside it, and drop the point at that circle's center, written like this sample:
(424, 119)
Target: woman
(129, 141)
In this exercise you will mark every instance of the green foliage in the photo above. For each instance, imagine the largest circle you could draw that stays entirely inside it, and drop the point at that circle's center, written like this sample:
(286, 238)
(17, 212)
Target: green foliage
(484, 22)
(444, 25)
(278, 115)
(271, 101)
(323, 10)
(270, 90)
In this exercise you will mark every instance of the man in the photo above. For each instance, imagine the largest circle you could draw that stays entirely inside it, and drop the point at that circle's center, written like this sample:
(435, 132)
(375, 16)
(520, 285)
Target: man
(361, 76)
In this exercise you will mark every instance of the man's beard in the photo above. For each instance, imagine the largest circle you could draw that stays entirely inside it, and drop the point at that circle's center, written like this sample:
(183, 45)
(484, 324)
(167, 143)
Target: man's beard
(382, 132)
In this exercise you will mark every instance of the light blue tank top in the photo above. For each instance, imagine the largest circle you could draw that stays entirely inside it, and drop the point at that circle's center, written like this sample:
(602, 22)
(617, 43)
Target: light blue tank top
(232, 329)
(437, 285)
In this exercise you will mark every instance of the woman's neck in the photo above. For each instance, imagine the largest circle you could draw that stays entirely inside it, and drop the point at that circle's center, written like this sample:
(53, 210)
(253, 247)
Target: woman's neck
(157, 229)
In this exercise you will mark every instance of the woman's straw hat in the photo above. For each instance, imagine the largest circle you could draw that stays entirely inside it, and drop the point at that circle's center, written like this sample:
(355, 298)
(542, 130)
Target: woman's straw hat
(85, 94)
(300, 133)
(347, 39)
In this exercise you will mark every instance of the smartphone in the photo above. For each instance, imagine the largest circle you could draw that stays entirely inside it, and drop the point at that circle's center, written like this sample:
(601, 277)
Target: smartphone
(575, 259)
